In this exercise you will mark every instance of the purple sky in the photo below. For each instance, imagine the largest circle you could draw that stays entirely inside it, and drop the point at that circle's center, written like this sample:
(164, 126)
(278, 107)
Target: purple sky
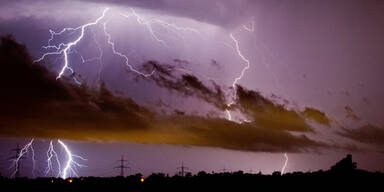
(319, 55)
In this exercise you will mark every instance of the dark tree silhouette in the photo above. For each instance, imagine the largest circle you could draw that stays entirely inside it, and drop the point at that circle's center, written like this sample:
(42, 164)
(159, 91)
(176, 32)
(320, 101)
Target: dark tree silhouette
(344, 165)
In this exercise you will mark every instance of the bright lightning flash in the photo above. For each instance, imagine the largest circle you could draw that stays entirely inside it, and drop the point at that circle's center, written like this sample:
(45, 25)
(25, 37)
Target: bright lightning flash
(68, 46)
(51, 153)
(28, 147)
(247, 62)
(71, 164)
(285, 163)
(65, 49)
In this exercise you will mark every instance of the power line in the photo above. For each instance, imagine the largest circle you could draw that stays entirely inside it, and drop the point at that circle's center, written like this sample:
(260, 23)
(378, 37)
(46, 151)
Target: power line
(122, 167)
(182, 169)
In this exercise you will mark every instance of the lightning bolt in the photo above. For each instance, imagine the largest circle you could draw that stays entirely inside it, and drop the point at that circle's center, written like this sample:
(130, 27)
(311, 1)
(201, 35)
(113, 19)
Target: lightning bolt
(86, 60)
(249, 28)
(71, 164)
(237, 79)
(243, 58)
(112, 44)
(64, 48)
(148, 23)
(51, 153)
(100, 51)
(28, 147)
(285, 163)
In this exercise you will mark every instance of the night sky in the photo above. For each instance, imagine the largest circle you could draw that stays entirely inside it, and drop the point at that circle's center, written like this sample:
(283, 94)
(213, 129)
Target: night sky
(218, 84)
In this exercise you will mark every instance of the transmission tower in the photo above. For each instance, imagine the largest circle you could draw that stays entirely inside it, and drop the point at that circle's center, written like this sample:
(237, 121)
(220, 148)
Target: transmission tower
(182, 169)
(122, 167)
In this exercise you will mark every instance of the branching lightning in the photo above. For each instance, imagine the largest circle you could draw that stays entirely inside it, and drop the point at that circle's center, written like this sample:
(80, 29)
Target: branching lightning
(147, 23)
(28, 147)
(169, 26)
(64, 51)
(285, 163)
(51, 153)
(112, 44)
(71, 164)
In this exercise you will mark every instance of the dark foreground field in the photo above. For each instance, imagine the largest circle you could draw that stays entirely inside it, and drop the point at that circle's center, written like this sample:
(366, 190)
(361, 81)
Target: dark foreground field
(344, 175)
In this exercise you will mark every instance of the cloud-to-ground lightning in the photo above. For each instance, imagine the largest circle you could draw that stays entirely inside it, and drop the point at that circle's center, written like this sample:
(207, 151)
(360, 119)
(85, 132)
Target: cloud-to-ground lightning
(51, 153)
(65, 49)
(28, 147)
(70, 165)
(247, 62)
(68, 46)
(285, 163)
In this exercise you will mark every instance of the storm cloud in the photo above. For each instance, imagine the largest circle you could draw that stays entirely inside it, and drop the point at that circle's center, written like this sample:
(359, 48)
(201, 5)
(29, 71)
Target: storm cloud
(258, 108)
(369, 134)
(166, 76)
(35, 104)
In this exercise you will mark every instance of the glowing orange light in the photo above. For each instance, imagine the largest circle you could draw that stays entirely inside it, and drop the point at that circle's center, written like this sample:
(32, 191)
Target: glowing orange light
(142, 180)
(52, 181)
(70, 180)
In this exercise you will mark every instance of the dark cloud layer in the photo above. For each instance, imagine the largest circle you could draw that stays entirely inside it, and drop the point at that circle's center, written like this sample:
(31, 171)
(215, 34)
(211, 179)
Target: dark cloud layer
(316, 115)
(268, 114)
(261, 110)
(351, 113)
(31, 96)
(35, 104)
(186, 84)
(369, 134)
